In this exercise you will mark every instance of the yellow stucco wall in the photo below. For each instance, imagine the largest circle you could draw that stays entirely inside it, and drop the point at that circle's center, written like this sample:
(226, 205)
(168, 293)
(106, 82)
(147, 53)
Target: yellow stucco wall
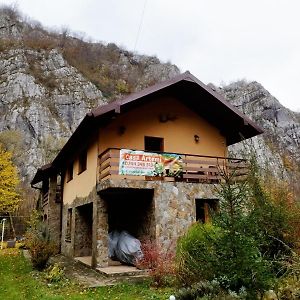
(82, 184)
(178, 133)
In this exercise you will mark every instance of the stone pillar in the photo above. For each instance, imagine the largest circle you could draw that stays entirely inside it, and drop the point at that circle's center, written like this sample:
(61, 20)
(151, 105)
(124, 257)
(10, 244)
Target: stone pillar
(54, 212)
(100, 224)
(173, 212)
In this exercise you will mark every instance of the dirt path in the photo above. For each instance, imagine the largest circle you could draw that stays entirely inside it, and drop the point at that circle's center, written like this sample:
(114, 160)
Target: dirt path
(86, 275)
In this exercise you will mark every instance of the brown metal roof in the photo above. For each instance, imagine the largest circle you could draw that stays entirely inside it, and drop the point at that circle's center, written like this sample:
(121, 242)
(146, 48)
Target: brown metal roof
(41, 173)
(200, 98)
(232, 123)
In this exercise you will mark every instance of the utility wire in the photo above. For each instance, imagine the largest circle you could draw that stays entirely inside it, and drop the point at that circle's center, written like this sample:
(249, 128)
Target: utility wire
(140, 25)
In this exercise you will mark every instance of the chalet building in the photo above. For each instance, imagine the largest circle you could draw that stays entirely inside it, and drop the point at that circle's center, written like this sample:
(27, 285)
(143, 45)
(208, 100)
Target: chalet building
(147, 164)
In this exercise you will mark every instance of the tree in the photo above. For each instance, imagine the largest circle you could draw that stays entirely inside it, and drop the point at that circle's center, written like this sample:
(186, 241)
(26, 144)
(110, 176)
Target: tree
(9, 196)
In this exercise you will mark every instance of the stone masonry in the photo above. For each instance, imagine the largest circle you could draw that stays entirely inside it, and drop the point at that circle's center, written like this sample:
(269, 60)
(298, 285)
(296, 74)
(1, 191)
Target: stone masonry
(173, 210)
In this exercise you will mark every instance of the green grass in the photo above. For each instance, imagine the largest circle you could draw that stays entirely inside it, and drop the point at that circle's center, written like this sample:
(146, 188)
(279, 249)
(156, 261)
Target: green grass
(19, 281)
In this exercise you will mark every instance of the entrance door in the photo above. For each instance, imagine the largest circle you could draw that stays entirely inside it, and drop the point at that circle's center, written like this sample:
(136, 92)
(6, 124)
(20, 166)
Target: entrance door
(83, 230)
(205, 208)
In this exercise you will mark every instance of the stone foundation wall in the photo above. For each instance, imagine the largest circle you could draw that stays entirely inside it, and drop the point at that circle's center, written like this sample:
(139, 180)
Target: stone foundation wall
(173, 210)
(176, 210)
(78, 237)
(169, 215)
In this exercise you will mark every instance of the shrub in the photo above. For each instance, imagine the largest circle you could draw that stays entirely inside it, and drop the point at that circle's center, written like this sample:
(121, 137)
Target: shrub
(39, 42)
(209, 290)
(37, 240)
(159, 261)
(55, 273)
(274, 216)
(208, 252)
(199, 289)
(197, 253)
(40, 249)
(228, 250)
(288, 286)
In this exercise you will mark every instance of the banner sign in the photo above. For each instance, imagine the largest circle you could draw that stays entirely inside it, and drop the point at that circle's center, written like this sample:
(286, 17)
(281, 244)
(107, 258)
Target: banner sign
(142, 163)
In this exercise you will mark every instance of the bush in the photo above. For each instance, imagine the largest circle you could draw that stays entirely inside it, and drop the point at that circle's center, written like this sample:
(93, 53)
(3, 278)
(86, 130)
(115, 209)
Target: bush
(209, 253)
(159, 262)
(230, 249)
(37, 240)
(289, 284)
(252, 241)
(55, 273)
(209, 290)
(274, 216)
(197, 253)
(199, 289)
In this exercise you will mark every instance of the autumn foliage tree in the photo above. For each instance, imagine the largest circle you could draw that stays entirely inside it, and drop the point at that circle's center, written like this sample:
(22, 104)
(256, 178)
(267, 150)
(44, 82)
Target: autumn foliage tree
(9, 196)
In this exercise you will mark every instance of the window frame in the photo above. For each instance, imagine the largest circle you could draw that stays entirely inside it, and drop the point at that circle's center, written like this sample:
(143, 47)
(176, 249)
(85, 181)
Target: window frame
(70, 172)
(82, 161)
(161, 140)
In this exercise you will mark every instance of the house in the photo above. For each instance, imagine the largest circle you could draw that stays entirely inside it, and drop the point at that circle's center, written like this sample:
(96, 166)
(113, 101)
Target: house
(147, 163)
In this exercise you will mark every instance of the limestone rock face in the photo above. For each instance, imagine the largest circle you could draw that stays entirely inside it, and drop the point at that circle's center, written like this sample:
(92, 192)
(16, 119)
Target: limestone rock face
(44, 97)
(10, 25)
(279, 145)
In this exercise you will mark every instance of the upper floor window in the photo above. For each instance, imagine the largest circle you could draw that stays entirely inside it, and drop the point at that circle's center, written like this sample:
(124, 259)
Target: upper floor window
(69, 173)
(155, 144)
(82, 160)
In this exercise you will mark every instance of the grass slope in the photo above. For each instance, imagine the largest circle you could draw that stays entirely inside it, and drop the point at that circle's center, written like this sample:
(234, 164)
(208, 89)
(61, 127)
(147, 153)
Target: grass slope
(18, 281)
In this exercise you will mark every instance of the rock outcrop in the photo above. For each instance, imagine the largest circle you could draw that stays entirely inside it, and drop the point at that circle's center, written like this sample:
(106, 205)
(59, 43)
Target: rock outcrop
(279, 145)
(49, 81)
(43, 96)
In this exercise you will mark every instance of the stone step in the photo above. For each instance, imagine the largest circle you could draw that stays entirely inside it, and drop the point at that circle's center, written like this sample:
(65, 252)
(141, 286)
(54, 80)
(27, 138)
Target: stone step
(122, 270)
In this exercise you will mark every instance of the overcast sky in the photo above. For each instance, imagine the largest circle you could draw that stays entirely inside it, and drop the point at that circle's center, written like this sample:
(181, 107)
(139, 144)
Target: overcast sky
(216, 40)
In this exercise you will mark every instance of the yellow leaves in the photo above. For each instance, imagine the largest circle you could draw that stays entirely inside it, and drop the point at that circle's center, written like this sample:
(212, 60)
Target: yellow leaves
(9, 197)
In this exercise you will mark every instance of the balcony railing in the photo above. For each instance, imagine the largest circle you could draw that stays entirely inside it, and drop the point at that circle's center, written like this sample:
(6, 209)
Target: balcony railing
(196, 168)
(45, 198)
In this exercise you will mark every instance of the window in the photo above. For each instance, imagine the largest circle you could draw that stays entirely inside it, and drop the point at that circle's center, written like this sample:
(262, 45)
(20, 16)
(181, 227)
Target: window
(69, 172)
(82, 161)
(69, 225)
(154, 144)
(205, 208)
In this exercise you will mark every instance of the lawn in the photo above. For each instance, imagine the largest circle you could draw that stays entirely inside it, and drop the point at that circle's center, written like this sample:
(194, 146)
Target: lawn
(19, 281)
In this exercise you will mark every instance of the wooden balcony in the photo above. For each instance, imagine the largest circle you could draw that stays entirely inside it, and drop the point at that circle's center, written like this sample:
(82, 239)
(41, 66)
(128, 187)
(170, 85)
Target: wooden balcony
(195, 168)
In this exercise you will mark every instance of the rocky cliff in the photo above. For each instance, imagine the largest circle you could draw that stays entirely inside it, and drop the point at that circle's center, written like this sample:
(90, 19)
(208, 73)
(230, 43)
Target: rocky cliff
(48, 81)
(278, 148)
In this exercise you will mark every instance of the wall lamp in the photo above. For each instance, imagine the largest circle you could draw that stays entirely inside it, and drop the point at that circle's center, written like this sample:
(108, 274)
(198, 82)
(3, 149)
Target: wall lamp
(196, 138)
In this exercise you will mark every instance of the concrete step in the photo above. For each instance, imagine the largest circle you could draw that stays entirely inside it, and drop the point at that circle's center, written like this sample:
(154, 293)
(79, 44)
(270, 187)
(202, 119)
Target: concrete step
(122, 270)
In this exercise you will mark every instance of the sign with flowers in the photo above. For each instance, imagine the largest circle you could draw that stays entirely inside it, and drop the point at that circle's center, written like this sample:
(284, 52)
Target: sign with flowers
(142, 163)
